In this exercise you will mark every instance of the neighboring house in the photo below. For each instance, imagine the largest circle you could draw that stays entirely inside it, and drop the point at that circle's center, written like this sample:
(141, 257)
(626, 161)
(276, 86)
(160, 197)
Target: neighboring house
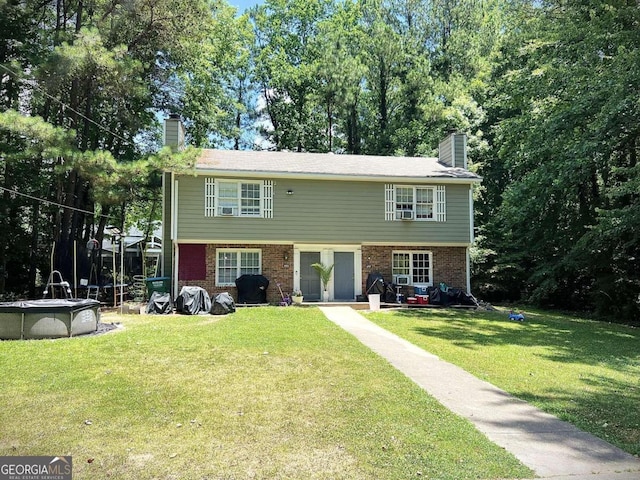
(135, 249)
(277, 213)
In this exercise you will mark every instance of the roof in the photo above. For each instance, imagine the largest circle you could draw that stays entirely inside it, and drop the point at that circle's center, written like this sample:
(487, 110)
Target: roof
(133, 235)
(328, 165)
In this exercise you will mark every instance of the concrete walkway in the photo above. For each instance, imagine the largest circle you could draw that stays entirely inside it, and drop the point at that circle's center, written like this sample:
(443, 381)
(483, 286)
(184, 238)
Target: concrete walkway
(550, 447)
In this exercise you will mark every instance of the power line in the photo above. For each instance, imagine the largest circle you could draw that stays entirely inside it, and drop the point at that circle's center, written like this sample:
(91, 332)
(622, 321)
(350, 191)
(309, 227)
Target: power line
(52, 203)
(33, 83)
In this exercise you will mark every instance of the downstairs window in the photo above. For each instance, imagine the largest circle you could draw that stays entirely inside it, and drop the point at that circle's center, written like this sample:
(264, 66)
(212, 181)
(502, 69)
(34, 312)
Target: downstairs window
(417, 265)
(232, 263)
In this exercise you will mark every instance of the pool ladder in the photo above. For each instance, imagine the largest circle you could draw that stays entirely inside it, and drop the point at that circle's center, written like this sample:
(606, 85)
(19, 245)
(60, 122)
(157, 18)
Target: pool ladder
(57, 285)
(93, 291)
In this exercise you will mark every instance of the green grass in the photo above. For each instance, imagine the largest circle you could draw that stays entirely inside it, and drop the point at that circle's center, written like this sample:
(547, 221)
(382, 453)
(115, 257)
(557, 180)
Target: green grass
(582, 371)
(263, 393)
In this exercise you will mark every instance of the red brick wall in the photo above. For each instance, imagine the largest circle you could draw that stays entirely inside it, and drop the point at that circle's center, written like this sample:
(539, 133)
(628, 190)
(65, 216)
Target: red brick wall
(449, 263)
(277, 266)
(449, 266)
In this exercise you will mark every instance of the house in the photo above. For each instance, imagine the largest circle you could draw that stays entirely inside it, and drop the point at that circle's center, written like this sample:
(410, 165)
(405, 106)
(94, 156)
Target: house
(277, 213)
(138, 246)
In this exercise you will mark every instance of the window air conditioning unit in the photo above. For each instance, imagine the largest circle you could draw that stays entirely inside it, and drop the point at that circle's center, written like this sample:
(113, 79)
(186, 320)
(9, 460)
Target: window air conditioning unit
(406, 215)
(226, 211)
(402, 279)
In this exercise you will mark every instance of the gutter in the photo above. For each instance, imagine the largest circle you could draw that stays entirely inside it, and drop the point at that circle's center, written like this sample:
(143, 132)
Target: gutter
(339, 177)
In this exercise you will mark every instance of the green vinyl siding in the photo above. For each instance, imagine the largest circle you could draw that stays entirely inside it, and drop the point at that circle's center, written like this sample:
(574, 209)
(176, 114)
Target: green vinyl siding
(321, 212)
(452, 150)
(458, 161)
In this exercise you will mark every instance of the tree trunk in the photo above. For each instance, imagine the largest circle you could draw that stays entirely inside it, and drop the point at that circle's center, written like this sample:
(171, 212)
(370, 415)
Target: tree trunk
(34, 248)
(330, 125)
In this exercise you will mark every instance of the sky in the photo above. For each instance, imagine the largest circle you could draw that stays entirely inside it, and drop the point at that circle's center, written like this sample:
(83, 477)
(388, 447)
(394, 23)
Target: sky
(242, 5)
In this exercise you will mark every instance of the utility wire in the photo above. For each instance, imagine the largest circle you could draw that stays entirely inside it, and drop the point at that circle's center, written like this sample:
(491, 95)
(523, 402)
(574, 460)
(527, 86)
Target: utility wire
(33, 83)
(52, 203)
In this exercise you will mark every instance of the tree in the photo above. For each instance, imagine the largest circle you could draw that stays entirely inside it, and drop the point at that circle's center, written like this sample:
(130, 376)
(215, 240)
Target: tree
(567, 155)
(99, 72)
(339, 70)
(384, 58)
(284, 66)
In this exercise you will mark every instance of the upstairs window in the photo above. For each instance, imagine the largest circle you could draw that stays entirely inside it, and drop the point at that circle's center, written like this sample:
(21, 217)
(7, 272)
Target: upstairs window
(228, 199)
(424, 206)
(238, 198)
(406, 202)
(250, 199)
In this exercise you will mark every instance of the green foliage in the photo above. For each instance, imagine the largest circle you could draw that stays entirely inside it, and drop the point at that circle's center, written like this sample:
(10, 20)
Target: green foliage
(285, 71)
(81, 88)
(325, 273)
(546, 93)
(562, 186)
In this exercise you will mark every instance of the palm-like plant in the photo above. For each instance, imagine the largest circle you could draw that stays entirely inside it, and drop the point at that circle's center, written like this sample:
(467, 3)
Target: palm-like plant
(324, 272)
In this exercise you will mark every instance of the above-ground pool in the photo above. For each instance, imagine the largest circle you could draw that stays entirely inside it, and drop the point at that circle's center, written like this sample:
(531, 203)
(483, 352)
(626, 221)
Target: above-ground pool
(48, 318)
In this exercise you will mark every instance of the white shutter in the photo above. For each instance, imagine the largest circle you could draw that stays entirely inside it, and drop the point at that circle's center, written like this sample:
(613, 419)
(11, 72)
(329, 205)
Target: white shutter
(389, 203)
(209, 197)
(441, 204)
(267, 199)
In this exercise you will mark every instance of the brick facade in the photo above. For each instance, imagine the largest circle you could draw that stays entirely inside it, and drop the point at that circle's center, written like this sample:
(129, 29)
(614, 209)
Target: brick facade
(449, 263)
(277, 266)
(449, 266)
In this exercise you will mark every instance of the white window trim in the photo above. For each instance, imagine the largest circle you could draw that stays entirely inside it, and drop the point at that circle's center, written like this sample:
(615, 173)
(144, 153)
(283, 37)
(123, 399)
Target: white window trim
(236, 251)
(439, 203)
(411, 253)
(212, 208)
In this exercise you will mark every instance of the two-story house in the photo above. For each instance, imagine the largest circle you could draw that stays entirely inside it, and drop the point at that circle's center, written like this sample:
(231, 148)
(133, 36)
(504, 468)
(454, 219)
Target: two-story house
(277, 213)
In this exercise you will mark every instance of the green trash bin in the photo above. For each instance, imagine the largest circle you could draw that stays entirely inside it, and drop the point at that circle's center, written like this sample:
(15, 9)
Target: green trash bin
(158, 284)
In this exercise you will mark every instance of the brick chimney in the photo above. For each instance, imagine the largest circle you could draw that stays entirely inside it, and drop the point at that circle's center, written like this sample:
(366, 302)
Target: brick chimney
(173, 135)
(452, 151)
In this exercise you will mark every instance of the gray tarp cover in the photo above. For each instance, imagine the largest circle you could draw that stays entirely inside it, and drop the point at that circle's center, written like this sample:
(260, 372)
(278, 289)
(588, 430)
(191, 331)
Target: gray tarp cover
(193, 300)
(223, 304)
(161, 303)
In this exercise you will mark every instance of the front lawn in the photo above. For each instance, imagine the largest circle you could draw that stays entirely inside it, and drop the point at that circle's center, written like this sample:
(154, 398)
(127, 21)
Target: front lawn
(263, 393)
(582, 371)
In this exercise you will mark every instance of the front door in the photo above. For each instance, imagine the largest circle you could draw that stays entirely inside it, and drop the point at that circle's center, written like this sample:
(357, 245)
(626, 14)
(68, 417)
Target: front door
(309, 277)
(343, 274)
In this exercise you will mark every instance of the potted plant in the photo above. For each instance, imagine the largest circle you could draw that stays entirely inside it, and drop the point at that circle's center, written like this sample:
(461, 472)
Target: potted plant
(325, 276)
(297, 296)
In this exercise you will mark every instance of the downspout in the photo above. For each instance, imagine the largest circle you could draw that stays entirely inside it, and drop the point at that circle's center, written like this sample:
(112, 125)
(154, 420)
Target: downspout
(471, 238)
(164, 227)
(174, 233)
(468, 271)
